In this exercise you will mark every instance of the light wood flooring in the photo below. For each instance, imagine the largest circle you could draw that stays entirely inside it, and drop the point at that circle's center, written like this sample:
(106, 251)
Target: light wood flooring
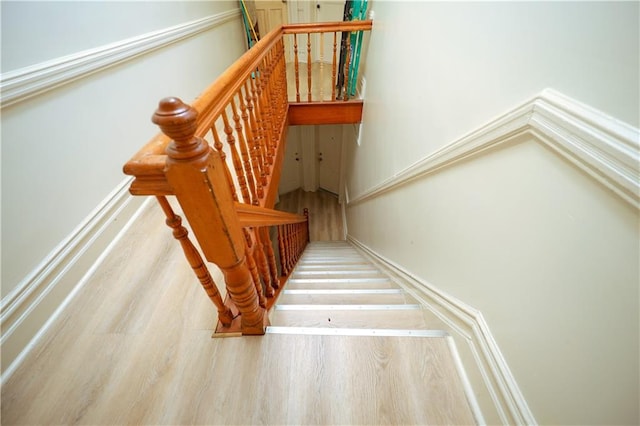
(134, 347)
(325, 214)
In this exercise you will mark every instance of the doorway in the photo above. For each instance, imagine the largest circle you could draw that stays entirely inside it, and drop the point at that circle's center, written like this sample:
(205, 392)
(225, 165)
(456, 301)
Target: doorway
(313, 159)
(271, 14)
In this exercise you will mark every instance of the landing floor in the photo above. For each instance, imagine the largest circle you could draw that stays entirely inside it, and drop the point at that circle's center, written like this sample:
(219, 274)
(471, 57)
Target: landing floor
(325, 214)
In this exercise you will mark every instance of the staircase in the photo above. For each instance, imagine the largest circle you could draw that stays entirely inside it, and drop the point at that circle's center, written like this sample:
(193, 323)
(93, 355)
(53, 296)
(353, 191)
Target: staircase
(335, 287)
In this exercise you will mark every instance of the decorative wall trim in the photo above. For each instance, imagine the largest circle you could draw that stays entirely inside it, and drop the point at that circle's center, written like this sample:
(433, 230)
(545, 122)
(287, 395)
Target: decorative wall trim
(24, 83)
(605, 148)
(27, 308)
(467, 325)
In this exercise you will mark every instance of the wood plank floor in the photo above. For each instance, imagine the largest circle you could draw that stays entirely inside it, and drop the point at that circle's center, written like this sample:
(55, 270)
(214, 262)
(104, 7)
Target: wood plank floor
(134, 347)
(325, 215)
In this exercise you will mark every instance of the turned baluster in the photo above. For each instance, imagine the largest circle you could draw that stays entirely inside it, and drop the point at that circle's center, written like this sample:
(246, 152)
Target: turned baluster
(305, 212)
(285, 242)
(195, 172)
(295, 244)
(334, 66)
(298, 241)
(277, 81)
(309, 67)
(256, 162)
(257, 131)
(218, 146)
(248, 170)
(321, 82)
(292, 245)
(181, 234)
(265, 111)
(296, 67)
(301, 227)
(235, 157)
(296, 238)
(284, 98)
(346, 69)
(271, 96)
(271, 110)
(263, 263)
(254, 269)
(260, 127)
(283, 251)
(272, 92)
(287, 235)
(271, 256)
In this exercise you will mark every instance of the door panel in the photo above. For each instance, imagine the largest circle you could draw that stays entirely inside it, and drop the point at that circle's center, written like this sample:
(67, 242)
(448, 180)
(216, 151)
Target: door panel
(290, 178)
(327, 11)
(329, 150)
(271, 14)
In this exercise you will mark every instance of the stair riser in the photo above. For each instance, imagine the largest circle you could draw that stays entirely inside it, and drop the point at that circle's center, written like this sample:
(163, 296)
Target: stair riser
(330, 285)
(338, 281)
(341, 299)
(350, 319)
(336, 274)
(337, 267)
(334, 261)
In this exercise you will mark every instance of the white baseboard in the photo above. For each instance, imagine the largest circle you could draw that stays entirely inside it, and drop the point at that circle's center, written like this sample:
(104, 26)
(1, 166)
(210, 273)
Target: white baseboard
(494, 386)
(32, 305)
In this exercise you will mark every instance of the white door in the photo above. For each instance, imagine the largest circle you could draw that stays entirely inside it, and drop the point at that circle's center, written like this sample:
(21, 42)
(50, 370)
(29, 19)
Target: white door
(271, 14)
(305, 11)
(329, 149)
(327, 11)
(290, 178)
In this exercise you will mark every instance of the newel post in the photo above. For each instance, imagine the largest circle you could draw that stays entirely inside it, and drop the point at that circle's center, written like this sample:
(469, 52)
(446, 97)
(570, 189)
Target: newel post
(197, 175)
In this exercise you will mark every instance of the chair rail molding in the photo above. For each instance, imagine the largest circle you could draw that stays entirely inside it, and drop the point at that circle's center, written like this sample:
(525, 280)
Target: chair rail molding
(24, 83)
(602, 146)
(466, 325)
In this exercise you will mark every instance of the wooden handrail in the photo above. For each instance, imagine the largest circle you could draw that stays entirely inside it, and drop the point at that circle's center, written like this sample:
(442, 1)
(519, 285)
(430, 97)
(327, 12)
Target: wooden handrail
(216, 97)
(250, 216)
(327, 27)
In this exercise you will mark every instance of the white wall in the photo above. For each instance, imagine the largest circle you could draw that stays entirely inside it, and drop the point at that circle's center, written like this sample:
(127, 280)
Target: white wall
(41, 30)
(547, 254)
(63, 151)
(470, 62)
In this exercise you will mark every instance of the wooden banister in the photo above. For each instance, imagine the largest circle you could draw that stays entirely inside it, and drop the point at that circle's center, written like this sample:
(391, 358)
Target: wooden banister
(195, 172)
(228, 146)
(249, 215)
(327, 27)
(217, 96)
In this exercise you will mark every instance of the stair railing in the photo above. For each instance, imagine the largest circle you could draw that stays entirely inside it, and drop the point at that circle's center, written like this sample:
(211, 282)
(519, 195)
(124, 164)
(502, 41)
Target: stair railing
(227, 191)
(321, 49)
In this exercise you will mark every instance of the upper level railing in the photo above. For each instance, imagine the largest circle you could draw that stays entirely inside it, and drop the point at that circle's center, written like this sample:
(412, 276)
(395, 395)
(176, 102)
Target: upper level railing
(221, 158)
